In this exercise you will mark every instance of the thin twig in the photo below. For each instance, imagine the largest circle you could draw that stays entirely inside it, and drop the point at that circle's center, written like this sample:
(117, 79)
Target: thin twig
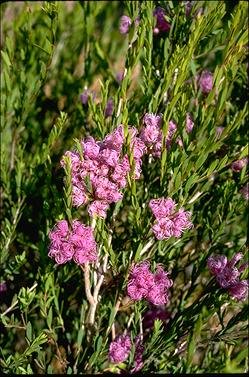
(86, 271)
(16, 302)
(96, 292)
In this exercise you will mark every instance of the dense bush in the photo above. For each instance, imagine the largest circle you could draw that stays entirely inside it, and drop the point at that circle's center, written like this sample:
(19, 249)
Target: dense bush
(124, 187)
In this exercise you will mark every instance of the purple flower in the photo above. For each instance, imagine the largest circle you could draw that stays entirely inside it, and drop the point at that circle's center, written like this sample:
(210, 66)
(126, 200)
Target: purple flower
(238, 165)
(217, 263)
(188, 6)
(119, 349)
(85, 96)
(245, 191)
(90, 148)
(115, 139)
(218, 131)
(138, 356)
(169, 223)
(120, 76)
(205, 81)
(98, 208)
(151, 119)
(152, 135)
(161, 24)
(227, 275)
(78, 196)
(77, 243)
(140, 281)
(124, 25)
(239, 291)
(189, 123)
(162, 207)
(109, 108)
(3, 287)
(143, 283)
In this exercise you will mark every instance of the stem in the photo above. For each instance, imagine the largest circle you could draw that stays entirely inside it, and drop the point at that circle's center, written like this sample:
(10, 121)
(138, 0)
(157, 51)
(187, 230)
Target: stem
(86, 271)
(93, 306)
(146, 247)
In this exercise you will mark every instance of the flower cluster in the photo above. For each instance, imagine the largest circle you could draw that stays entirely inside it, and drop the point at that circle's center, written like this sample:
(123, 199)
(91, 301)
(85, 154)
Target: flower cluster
(77, 243)
(103, 171)
(109, 108)
(120, 348)
(205, 81)
(161, 24)
(138, 356)
(227, 275)
(238, 165)
(125, 23)
(169, 222)
(152, 134)
(189, 123)
(143, 283)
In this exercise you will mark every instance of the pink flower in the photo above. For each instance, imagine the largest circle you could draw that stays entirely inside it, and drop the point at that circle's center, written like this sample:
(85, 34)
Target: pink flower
(181, 222)
(98, 208)
(140, 281)
(90, 148)
(239, 291)
(125, 23)
(138, 356)
(151, 119)
(143, 283)
(205, 81)
(119, 349)
(78, 197)
(189, 123)
(85, 96)
(77, 243)
(115, 139)
(106, 190)
(75, 160)
(245, 191)
(169, 223)
(109, 157)
(3, 287)
(218, 131)
(120, 76)
(152, 135)
(109, 108)
(238, 165)
(217, 263)
(162, 207)
(227, 275)
(149, 134)
(161, 25)
(138, 147)
(171, 131)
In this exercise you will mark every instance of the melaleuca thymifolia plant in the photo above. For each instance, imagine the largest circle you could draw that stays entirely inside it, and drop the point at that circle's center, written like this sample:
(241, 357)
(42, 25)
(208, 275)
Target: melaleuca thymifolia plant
(124, 187)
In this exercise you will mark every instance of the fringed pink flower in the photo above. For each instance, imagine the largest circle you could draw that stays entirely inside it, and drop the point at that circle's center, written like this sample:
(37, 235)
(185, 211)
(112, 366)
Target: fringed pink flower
(77, 243)
(120, 349)
(227, 275)
(143, 283)
(169, 223)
